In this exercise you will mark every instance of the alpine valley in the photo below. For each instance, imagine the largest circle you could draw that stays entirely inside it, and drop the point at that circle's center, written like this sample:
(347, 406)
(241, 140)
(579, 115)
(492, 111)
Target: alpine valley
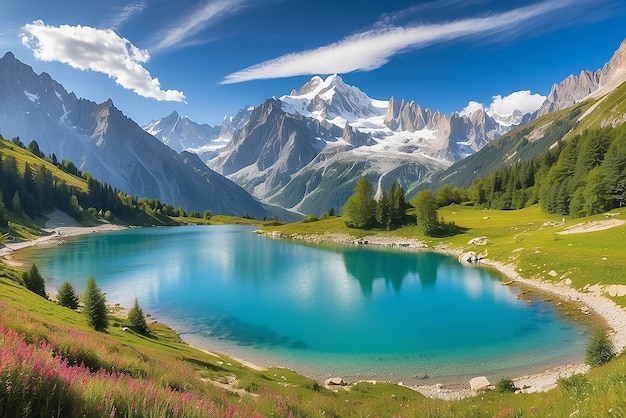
(305, 151)
(301, 153)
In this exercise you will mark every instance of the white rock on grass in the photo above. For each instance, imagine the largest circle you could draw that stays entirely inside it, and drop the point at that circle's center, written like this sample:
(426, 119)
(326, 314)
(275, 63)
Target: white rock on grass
(479, 383)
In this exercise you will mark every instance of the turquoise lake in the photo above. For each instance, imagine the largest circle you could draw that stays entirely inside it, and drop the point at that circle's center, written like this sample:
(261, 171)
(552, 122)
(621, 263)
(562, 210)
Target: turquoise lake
(345, 311)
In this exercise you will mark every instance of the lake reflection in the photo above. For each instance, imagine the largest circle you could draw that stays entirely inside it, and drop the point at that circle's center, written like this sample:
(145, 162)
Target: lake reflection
(343, 310)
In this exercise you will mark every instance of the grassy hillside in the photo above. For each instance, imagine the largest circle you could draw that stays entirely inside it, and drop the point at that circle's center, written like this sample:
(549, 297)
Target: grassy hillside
(32, 185)
(54, 365)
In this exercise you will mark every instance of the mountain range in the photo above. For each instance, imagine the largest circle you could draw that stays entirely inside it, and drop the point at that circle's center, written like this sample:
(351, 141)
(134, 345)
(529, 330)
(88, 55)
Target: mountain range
(302, 152)
(306, 150)
(100, 139)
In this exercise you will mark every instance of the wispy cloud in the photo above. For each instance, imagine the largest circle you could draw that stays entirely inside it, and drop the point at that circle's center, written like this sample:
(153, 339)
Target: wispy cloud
(207, 14)
(103, 51)
(372, 49)
(126, 14)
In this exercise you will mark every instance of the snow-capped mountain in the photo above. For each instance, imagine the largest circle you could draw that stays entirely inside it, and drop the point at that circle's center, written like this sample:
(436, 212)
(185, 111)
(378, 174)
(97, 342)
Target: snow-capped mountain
(182, 134)
(332, 100)
(99, 138)
(293, 150)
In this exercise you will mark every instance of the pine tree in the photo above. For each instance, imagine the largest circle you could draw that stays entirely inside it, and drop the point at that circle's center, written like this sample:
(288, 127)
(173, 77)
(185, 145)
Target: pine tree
(16, 203)
(95, 306)
(397, 205)
(34, 281)
(137, 319)
(67, 296)
(382, 210)
(3, 221)
(426, 212)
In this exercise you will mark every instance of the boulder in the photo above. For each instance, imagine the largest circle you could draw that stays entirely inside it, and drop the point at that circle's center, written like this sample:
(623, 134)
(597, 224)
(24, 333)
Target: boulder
(335, 381)
(478, 241)
(479, 383)
(616, 290)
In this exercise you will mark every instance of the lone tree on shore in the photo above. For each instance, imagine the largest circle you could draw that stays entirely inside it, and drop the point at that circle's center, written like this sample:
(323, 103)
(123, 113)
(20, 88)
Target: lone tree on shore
(34, 281)
(600, 349)
(137, 319)
(95, 306)
(67, 296)
(426, 212)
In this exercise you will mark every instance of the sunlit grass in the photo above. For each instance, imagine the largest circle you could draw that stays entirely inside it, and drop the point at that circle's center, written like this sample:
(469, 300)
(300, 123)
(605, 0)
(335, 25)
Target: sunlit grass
(128, 374)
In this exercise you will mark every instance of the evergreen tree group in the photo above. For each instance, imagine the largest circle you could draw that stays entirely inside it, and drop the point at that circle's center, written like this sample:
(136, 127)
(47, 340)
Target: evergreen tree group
(584, 176)
(363, 211)
(34, 190)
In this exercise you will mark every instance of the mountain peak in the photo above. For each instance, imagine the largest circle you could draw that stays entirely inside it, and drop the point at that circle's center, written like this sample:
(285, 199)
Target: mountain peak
(8, 56)
(332, 99)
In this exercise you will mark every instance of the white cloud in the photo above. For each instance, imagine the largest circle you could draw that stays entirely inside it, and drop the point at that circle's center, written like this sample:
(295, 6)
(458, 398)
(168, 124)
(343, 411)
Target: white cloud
(521, 100)
(197, 21)
(374, 48)
(471, 107)
(103, 51)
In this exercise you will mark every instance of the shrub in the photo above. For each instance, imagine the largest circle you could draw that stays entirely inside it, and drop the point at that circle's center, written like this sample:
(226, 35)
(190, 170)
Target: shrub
(576, 385)
(310, 218)
(600, 349)
(67, 296)
(505, 385)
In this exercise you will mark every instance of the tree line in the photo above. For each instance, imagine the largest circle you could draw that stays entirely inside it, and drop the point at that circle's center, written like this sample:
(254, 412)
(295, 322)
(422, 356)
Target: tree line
(363, 210)
(582, 177)
(33, 189)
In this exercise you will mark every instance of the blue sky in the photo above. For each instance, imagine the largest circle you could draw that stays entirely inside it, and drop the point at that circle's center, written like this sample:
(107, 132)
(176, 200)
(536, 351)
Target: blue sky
(209, 58)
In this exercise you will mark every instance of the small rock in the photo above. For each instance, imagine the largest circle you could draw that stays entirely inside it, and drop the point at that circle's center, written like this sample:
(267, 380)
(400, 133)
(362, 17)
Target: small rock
(335, 381)
(585, 310)
(394, 397)
(552, 273)
(568, 282)
(478, 383)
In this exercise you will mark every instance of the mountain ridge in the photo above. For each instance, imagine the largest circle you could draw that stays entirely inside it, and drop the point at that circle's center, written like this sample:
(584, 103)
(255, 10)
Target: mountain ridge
(99, 138)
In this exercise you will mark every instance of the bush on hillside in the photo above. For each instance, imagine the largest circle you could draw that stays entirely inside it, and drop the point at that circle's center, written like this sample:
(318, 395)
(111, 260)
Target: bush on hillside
(600, 349)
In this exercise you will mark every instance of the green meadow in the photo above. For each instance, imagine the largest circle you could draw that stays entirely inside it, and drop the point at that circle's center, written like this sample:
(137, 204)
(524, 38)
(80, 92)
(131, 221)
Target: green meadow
(53, 364)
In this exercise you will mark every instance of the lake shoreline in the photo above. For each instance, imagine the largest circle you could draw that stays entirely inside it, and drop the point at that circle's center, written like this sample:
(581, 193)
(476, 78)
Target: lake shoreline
(59, 226)
(543, 381)
(593, 299)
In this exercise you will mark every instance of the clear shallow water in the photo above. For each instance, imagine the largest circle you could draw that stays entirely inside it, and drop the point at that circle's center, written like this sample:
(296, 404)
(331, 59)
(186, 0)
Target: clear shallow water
(348, 311)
